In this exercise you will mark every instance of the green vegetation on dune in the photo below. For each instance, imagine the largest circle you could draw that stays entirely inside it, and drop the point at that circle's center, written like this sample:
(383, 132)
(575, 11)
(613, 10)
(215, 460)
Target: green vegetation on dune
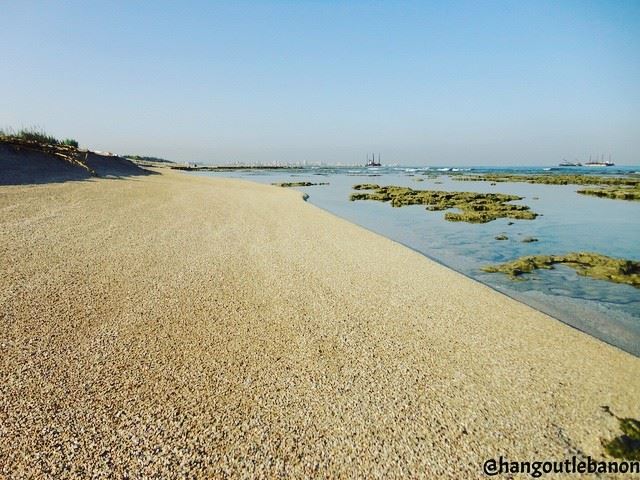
(298, 184)
(588, 264)
(69, 142)
(475, 207)
(35, 135)
(38, 141)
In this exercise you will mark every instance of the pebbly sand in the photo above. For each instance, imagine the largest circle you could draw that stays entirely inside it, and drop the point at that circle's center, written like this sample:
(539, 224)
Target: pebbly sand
(169, 326)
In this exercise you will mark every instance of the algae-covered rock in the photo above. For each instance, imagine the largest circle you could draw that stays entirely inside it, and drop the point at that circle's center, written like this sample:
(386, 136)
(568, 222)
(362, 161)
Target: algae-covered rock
(484, 217)
(502, 236)
(616, 193)
(588, 264)
(474, 207)
(551, 179)
(627, 445)
(298, 184)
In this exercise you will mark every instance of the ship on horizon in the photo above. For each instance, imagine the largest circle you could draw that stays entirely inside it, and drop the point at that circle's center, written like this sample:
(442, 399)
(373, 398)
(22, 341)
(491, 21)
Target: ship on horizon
(601, 163)
(565, 163)
(371, 162)
(590, 163)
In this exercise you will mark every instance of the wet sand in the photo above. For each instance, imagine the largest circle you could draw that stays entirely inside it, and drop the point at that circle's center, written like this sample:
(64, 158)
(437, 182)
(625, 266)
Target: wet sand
(169, 325)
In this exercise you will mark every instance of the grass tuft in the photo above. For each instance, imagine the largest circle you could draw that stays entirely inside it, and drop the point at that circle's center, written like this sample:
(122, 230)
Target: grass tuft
(36, 135)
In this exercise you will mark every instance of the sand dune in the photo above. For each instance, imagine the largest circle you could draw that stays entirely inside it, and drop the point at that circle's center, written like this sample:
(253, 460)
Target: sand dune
(21, 166)
(168, 324)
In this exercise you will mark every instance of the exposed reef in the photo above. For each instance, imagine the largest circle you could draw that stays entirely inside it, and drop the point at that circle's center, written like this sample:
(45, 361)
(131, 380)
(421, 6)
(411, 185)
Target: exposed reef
(367, 186)
(550, 179)
(616, 193)
(298, 184)
(475, 207)
(232, 168)
(622, 188)
(588, 264)
(139, 158)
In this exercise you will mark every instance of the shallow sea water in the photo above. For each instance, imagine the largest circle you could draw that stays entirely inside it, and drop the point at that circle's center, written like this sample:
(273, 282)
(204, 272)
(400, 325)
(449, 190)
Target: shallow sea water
(570, 222)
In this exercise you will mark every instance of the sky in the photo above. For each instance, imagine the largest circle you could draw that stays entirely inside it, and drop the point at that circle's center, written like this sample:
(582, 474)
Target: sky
(423, 83)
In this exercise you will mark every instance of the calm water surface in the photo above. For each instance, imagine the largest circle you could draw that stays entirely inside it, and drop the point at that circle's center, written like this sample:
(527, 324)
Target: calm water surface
(570, 222)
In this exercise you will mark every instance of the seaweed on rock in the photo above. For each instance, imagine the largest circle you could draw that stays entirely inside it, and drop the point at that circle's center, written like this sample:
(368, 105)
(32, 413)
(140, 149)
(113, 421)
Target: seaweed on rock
(474, 207)
(587, 264)
(627, 445)
(298, 184)
(551, 179)
(616, 193)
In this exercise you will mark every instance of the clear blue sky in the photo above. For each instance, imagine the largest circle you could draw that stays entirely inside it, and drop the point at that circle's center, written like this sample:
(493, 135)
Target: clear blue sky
(457, 83)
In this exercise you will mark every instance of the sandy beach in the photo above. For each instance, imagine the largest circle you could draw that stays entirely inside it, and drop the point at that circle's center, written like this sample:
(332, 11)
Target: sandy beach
(171, 326)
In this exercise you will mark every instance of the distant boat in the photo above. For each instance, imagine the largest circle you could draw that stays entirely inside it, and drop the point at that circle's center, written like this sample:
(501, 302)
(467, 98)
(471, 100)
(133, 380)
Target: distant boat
(371, 162)
(564, 163)
(599, 164)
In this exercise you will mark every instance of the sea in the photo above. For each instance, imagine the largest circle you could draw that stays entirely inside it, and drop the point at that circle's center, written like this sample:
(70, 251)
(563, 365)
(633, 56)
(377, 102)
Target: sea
(569, 222)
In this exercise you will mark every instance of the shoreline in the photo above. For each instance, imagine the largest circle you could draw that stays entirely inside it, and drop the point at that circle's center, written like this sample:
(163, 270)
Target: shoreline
(219, 326)
(495, 289)
(536, 305)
